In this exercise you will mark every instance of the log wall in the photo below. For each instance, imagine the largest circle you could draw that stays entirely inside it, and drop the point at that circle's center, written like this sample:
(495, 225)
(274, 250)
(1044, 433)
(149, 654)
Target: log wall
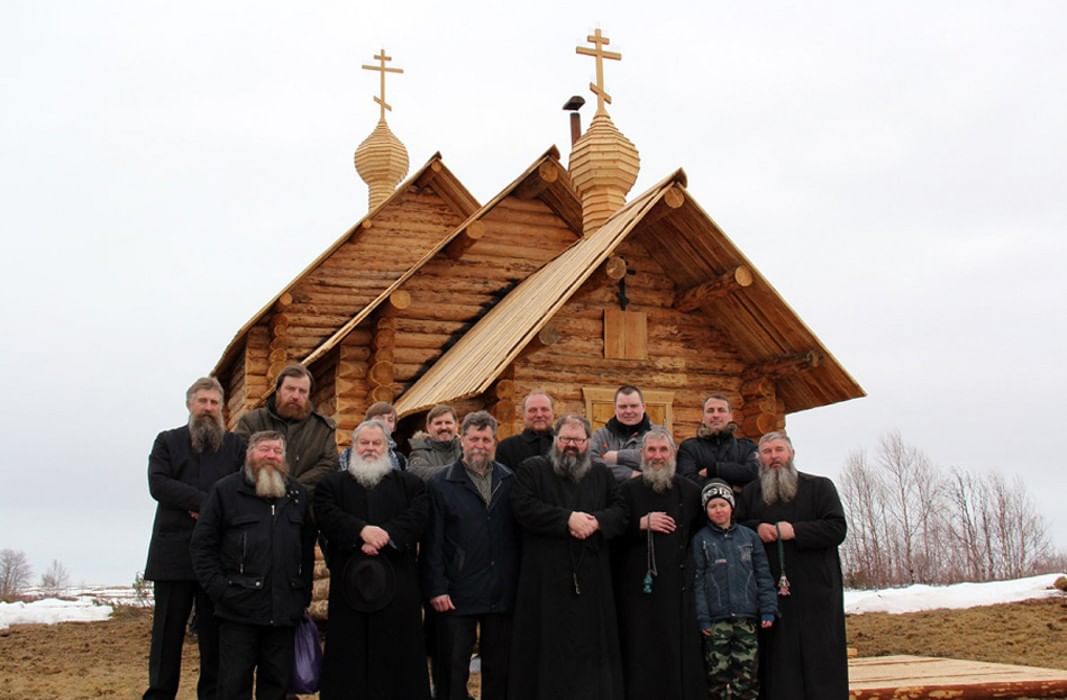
(447, 296)
(686, 353)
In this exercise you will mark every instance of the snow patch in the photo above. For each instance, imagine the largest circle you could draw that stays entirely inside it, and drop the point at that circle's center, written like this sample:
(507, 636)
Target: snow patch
(49, 611)
(956, 596)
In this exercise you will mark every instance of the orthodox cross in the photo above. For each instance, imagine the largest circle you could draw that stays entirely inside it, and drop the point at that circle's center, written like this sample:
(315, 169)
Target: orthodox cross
(599, 41)
(382, 58)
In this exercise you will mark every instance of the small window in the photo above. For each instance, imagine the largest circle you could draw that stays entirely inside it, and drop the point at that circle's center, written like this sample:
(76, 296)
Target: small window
(625, 335)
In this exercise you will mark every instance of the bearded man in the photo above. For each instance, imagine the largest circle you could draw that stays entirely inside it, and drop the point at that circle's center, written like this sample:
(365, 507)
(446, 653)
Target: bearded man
(566, 642)
(654, 578)
(185, 462)
(253, 551)
(800, 520)
(470, 564)
(373, 517)
(715, 453)
(310, 437)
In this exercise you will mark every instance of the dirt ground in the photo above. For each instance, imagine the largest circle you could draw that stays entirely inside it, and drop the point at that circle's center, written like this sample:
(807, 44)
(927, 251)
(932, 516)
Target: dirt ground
(77, 660)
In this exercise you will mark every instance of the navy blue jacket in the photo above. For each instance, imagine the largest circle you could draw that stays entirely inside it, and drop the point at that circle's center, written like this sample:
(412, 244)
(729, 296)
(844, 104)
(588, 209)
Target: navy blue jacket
(733, 578)
(471, 550)
(254, 556)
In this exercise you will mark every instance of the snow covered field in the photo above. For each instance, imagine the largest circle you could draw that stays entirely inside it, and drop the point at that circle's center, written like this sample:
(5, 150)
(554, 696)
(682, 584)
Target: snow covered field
(89, 604)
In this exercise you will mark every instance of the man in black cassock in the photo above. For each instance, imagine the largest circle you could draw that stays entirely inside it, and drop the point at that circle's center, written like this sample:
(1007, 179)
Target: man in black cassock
(654, 578)
(565, 642)
(373, 516)
(801, 522)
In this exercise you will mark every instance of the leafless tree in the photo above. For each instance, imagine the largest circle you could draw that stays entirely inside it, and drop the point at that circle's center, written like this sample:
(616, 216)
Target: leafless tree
(865, 550)
(908, 523)
(15, 572)
(55, 579)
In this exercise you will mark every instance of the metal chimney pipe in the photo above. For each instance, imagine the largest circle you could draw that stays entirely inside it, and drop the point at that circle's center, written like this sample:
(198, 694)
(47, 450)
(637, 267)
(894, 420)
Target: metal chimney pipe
(573, 105)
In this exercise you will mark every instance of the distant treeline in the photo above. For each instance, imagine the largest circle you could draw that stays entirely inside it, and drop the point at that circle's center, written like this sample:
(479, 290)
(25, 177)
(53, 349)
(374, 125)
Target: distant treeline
(911, 522)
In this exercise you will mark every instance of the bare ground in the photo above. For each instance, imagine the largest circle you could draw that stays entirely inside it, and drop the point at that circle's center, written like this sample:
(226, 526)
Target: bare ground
(77, 660)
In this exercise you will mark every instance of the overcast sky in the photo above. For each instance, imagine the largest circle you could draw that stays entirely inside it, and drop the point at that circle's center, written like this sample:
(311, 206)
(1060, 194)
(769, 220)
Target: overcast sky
(896, 170)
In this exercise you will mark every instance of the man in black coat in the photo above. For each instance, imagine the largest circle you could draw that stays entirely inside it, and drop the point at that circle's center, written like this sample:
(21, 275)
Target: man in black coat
(470, 564)
(715, 453)
(185, 462)
(253, 552)
(654, 578)
(801, 522)
(373, 517)
(536, 437)
(566, 642)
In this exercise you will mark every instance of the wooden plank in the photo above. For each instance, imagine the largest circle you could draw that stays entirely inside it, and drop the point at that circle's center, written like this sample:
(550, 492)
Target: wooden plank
(915, 677)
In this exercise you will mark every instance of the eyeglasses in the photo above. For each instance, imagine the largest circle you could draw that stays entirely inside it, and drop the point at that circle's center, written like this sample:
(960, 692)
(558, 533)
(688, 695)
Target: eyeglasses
(572, 440)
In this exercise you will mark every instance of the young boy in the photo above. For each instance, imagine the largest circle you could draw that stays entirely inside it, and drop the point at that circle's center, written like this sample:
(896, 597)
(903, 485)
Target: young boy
(734, 590)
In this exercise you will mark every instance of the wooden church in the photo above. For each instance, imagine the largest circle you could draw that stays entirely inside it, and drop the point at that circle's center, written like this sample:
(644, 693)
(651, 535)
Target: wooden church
(558, 283)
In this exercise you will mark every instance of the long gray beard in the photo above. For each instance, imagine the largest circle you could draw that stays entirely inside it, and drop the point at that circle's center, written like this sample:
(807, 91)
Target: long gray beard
(659, 479)
(778, 484)
(270, 483)
(570, 466)
(205, 433)
(369, 473)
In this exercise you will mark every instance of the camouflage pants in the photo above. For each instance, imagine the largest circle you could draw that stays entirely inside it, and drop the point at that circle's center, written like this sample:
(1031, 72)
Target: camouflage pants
(731, 660)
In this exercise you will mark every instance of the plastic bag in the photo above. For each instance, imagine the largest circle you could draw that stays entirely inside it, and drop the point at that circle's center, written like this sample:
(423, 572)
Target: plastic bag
(307, 657)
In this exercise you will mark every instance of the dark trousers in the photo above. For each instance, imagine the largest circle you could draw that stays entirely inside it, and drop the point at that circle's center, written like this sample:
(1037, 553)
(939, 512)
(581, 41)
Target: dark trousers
(246, 649)
(456, 635)
(173, 603)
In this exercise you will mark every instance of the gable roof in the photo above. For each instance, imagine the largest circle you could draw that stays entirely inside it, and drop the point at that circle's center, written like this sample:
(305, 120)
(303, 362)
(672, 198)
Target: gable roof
(759, 320)
(434, 172)
(556, 192)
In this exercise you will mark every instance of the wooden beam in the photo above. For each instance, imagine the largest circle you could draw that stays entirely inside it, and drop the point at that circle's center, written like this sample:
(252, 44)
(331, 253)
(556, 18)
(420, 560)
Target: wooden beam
(429, 174)
(536, 182)
(615, 268)
(723, 285)
(549, 335)
(784, 365)
(470, 235)
(672, 200)
(400, 299)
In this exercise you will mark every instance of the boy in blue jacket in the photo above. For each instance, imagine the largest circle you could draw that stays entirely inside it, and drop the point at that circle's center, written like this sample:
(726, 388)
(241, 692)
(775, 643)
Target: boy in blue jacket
(734, 591)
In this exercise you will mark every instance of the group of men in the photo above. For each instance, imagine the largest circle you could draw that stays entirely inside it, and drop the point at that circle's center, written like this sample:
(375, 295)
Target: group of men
(562, 555)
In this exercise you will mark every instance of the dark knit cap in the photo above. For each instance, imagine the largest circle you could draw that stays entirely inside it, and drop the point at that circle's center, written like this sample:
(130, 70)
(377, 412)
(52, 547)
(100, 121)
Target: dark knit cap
(717, 488)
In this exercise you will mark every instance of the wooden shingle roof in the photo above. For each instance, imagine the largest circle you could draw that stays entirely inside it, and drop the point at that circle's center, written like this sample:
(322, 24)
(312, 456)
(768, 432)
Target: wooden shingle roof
(692, 249)
(435, 174)
(545, 176)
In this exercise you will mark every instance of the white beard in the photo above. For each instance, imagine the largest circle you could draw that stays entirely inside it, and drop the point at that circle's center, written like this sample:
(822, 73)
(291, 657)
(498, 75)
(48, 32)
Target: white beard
(369, 472)
(778, 484)
(658, 479)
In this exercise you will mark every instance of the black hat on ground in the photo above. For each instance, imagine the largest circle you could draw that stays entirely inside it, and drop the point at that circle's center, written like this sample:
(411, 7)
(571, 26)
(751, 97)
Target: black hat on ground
(369, 583)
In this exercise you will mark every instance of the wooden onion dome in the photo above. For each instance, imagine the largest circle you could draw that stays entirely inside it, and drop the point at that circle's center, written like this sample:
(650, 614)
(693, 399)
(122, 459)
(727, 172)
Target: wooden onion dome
(604, 166)
(604, 163)
(382, 161)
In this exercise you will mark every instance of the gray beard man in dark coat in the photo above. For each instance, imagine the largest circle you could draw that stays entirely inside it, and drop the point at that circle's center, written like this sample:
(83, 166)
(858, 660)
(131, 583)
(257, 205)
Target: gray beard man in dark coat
(184, 464)
(801, 523)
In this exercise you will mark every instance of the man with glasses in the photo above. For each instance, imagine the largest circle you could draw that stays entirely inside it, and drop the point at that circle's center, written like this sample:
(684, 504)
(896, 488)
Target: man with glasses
(566, 642)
